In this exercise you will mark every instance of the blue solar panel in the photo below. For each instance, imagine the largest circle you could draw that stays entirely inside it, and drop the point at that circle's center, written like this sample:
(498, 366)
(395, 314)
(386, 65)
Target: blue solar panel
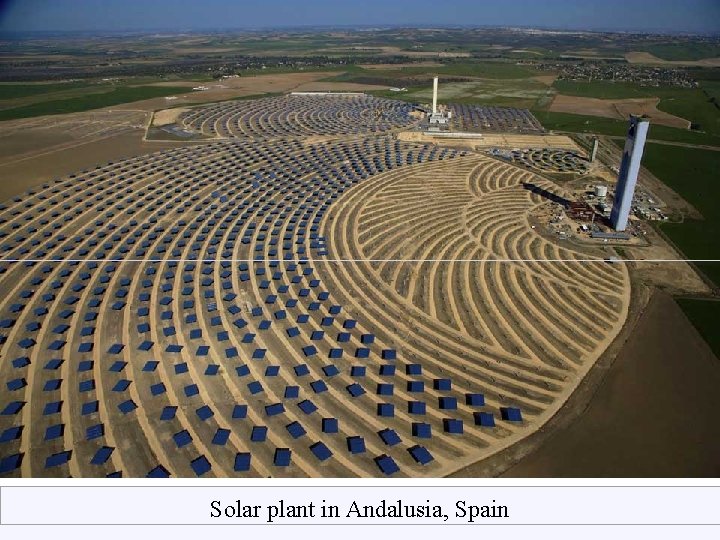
(10, 463)
(355, 390)
(258, 434)
(239, 411)
(511, 414)
(420, 454)
(447, 403)
(389, 437)
(296, 430)
(421, 430)
(357, 371)
(55, 460)
(475, 400)
(94, 432)
(274, 409)
(102, 455)
(292, 392)
(89, 407)
(307, 406)
(200, 465)
(384, 389)
(301, 370)
(282, 457)
(453, 426)
(386, 464)
(321, 451)
(413, 369)
(117, 366)
(127, 406)
(318, 386)
(53, 432)
(442, 384)
(121, 385)
(204, 412)
(484, 419)
(10, 434)
(242, 461)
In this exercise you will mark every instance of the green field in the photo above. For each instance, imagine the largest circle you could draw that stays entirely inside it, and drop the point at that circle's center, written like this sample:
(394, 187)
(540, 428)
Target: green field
(116, 96)
(15, 91)
(484, 70)
(704, 314)
(692, 173)
(684, 51)
(693, 104)
(578, 123)
(603, 89)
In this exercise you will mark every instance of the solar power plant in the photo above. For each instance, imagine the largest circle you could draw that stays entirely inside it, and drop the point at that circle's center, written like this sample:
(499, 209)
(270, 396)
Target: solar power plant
(551, 160)
(275, 307)
(481, 118)
(297, 115)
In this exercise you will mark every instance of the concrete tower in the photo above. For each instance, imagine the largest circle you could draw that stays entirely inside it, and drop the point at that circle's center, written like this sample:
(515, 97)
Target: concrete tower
(435, 85)
(629, 168)
(593, 153)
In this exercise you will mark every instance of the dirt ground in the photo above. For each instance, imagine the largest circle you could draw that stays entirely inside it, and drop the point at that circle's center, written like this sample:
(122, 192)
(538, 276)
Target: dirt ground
(647, 58)
(229, 89)
(617, 108)
(167, 116)
(494, 140)
(663, 389)
(545, 79)
(18, 176)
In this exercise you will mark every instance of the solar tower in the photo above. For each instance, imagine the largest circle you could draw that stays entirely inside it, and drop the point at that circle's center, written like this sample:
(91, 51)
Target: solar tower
(629, 168)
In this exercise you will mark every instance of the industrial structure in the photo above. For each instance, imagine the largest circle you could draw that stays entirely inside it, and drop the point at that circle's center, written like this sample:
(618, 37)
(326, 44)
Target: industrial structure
(629, 168)
(438, 120)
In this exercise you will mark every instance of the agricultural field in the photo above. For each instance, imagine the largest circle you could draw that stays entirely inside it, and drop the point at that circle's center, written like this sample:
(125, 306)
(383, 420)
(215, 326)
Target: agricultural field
(94, 98)
(704, 315)
(692, 173)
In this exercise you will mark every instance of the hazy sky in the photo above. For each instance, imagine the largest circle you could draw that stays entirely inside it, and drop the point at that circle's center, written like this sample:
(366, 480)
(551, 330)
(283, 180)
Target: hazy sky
(649, 15)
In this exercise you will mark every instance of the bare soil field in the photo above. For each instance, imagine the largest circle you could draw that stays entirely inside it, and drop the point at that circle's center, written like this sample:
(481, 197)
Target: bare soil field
(229, 89)
(647, 58)
(545, 79)
(617, 108)
(654, 415)
(52, 162)
(167, 116)
(494, 140)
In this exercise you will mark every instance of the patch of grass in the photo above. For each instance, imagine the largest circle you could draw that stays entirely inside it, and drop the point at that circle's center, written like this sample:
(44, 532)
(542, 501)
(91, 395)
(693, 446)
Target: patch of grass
(692, 104)
(704, 315)
(15, 91)
(684, 51)
(603, 89)
(692, 173)
(119, 95)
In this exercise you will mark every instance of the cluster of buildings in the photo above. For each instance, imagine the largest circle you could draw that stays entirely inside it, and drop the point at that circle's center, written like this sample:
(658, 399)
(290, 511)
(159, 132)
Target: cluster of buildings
(621, 72)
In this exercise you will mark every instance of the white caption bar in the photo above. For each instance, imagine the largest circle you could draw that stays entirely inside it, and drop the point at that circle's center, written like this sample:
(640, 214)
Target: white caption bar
(358, 505)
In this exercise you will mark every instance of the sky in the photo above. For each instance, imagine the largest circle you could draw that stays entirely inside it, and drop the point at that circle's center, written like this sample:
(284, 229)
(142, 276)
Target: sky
(700, 16)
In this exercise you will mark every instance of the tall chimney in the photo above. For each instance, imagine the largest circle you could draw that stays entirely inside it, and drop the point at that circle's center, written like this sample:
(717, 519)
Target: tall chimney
(435, 82)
